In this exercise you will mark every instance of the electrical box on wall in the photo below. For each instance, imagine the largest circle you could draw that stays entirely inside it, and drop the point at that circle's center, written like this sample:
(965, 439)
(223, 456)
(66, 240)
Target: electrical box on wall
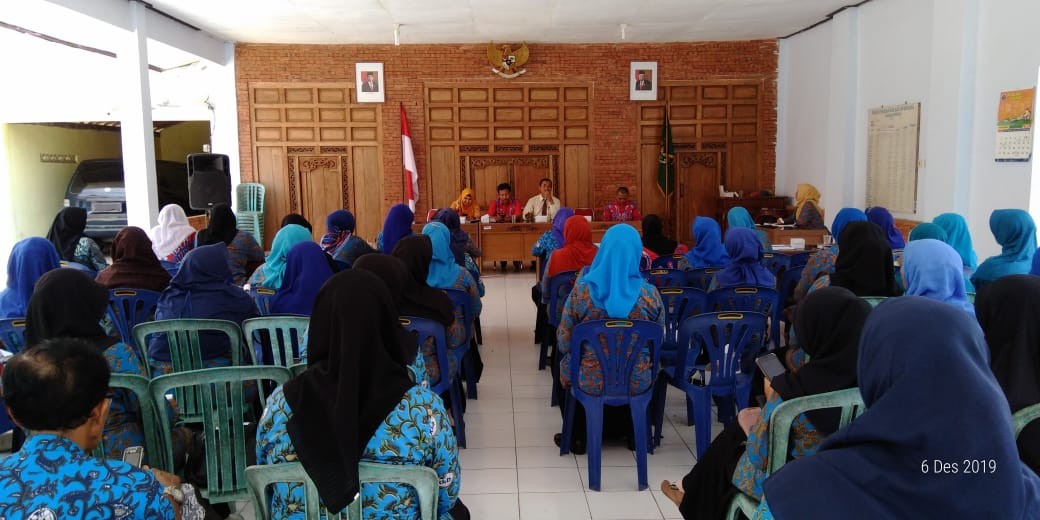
(70, 158)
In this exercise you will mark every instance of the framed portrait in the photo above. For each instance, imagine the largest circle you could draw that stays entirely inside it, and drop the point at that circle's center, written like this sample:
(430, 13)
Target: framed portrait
(642, 78)
(371, 84)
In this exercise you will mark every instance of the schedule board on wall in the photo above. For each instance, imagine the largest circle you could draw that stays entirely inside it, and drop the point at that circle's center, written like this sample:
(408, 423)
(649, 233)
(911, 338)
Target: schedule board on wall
(892, 144)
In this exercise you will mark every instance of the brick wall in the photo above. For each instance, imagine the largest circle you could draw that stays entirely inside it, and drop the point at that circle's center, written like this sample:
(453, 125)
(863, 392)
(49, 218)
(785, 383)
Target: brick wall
(605, 66)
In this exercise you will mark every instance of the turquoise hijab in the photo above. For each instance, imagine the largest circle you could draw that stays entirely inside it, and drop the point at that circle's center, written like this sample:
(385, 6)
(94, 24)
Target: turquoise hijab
(1016, 233)
(707, 250)
(614, 280)
(931, 268)
(958, 237)
(284, 240)
(929, 230)
(443, 269)
(737, 216)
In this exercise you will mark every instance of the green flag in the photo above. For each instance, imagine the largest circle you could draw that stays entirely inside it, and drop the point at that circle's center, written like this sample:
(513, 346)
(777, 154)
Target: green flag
(666, 159)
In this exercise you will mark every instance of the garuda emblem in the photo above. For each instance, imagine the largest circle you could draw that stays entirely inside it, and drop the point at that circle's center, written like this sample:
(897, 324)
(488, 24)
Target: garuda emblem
(506, 62)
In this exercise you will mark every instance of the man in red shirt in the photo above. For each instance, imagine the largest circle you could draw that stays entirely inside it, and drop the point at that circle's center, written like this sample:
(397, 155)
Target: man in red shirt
(621, 209)
(504, 206)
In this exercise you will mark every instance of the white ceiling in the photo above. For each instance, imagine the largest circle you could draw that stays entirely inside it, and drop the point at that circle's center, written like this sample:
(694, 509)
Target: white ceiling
(473, 21)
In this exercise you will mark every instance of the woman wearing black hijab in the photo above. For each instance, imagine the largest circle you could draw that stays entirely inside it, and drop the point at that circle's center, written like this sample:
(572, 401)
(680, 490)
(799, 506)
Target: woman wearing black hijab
(356, 402)
(654, 239)
(864, 264)
(66, 234)
(828, 323)
(1009, 311)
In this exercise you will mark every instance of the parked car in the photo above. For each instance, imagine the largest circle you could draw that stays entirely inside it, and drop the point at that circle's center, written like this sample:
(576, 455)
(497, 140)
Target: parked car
(97, 186)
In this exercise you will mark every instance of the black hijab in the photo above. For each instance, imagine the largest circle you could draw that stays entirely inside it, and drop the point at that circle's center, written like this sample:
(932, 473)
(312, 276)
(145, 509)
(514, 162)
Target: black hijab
(355, 376)
(66, 303)
(66, 230)
(1009, 311)
(296, 218)
(827, 323)
(394, 274)
(223, 226)
(420, 299)
(653, 237)
(864, 265)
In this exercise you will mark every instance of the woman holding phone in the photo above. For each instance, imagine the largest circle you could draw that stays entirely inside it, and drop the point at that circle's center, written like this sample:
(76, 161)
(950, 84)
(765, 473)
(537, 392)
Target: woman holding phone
(828, 323)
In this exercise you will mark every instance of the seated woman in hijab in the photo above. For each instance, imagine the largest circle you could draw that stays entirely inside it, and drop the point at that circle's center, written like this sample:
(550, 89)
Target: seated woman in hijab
(553, 239)
(173, 237)
(656, 245)
(244, 253)
(822, 262)
(807, 213)
(340, 242)
(708, 250)
(864, 264)
(959, 238)
(577, 253)
(928, 230)
(306, 270)
(420, 300)
(66, 234)
(397, 225)
(937, 401)
(828, 323)
(745, 267)
(933, 269)
(67, 303)
(446, 274)
(613, 288)
(1009, 312)
(356, 402)
(461, 244)
(202, 288)
(30, 259)
(884, 220)
(134, 265)
(297, 219)
(466, 205)
(1016, 233)
(269, 275)
(738, 216)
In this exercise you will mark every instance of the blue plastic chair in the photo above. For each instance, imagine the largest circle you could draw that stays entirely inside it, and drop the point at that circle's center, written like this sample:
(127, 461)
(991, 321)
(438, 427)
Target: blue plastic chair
(424, 329)
(560, 287)
(679, 303)
(460, 299)
(666, 262)
(874, 301)
(171, 267)
(787, 283)
(262, 296)
(129, 307)
(616, 345)
(79, 267)
(701, 278)
(662, 278)
(765, 300)
(728, 338)
(776, 262)
(12, 334)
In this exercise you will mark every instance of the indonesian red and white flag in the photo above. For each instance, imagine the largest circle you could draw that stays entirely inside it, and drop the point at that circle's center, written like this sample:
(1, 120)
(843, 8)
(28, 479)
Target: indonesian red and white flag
(411, 173)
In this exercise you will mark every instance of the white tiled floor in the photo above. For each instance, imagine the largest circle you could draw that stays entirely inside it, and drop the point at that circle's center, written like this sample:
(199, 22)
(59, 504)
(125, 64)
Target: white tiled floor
(511, 468)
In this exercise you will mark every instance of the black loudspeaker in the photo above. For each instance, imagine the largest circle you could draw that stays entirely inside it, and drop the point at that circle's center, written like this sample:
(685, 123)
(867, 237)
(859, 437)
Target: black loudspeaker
(209, 180)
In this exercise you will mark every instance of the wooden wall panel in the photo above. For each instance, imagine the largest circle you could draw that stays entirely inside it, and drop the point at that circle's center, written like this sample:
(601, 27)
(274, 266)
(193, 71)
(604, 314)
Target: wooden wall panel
(367, 191)
(273, 173)
(651, 200)
(321, 190)
(444, 176)
(577, 176)
(743, 167)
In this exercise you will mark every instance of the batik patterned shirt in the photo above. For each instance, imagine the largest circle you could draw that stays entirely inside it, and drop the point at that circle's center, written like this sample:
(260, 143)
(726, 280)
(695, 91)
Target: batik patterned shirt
(545, 245)
(88, 253)
(416, 432)
(52, 478)
(580, 308)
(242, 251)
(820, 263)
(751, 470)
(621, 212)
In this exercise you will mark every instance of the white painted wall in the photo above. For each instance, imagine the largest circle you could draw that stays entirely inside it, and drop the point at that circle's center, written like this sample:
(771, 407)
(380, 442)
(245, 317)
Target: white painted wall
(952, 56)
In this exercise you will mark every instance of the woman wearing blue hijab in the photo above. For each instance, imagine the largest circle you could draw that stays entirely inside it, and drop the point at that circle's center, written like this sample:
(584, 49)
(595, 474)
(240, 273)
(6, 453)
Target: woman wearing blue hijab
(613, 288)
(738, 216)
(270, 274)
(959, 239)
(884, 220)
(1016, 233)
(933, 269)
(445, 273)
(707, 250)
(821, 263)
(306, 270)
(398, 224)
(937, 402)
(745, 266)
(30, 259)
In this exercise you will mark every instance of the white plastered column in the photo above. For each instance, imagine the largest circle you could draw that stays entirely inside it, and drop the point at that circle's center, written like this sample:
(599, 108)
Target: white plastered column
(136, 122)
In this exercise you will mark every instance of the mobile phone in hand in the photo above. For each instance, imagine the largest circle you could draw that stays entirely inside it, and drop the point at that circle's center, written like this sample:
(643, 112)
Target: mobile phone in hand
(134, 456)
(770, 365)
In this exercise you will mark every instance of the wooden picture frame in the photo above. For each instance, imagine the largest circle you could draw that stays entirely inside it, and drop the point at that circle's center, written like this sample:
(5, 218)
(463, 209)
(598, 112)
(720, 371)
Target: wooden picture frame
(642, 81)
(370, 82)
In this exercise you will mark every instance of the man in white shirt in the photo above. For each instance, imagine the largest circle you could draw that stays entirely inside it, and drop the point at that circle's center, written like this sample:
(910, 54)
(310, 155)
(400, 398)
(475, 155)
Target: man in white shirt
(543, 204)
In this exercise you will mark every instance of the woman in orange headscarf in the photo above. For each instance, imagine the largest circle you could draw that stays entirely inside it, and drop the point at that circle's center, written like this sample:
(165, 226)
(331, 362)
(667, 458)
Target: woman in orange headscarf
(466, 205)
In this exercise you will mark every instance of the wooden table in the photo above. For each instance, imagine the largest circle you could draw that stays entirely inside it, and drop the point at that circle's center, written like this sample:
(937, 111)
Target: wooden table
(783, 236)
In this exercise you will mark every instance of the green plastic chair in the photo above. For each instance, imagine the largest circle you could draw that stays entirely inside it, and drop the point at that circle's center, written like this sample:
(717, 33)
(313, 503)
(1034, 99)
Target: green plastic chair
(154, 449)
(849, 401)
(276, 334)
(874, 300)
(971, 297)
(298, 368)
(1025, 416)
(249, 201)
(224, 411)
(420, 478)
